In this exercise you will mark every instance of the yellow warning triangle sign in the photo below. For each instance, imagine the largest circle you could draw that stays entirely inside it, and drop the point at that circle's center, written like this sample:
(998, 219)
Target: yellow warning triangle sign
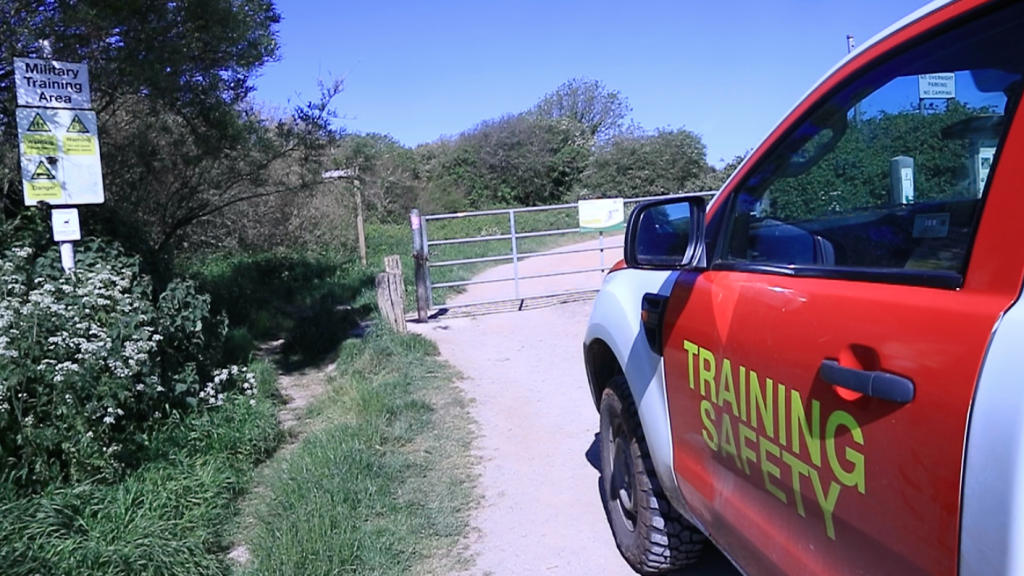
(39, 125)
(77, 126)
(43, 172)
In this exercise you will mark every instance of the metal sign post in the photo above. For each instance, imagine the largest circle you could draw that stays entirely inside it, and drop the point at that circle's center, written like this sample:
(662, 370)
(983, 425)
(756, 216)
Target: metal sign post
(59, 143)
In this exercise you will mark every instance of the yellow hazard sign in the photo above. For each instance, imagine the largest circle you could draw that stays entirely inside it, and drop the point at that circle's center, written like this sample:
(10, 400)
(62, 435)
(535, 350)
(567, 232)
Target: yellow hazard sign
(60, 156)
(76, 145)
(43, 190)
(39, 144)
(38, 125)
(42, 184)
(77, 126)
(43, 172)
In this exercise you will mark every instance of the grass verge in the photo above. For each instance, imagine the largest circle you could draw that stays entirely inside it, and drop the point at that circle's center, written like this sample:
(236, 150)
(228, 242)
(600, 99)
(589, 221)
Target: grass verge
(382, 482)
(173, 516)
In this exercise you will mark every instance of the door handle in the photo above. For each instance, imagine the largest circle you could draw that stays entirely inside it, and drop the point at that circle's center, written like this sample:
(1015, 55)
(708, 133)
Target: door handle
(881, 385)
(652, 316)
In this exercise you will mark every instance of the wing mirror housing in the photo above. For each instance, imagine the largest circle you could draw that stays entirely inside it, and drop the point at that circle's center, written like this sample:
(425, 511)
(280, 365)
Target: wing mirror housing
(666, 234)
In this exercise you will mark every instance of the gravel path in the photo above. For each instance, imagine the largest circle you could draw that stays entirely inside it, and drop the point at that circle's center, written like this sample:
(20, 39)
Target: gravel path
(541, 510)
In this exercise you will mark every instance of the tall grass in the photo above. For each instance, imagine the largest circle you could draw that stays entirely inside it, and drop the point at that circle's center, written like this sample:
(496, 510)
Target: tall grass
(311, 301)
(381, 483)
(172, 516)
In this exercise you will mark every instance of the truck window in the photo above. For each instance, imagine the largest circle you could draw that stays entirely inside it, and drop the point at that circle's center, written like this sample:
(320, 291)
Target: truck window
(889, 173)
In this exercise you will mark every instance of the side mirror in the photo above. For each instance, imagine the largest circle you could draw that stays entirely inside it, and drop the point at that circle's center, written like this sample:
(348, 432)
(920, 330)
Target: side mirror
(666, 234)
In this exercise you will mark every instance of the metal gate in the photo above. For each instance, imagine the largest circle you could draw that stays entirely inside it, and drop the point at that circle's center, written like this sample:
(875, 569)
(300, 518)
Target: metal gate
(430, 259)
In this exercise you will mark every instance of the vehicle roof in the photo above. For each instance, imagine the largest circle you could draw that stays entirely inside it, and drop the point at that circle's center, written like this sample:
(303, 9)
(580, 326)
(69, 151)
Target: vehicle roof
(910, 18)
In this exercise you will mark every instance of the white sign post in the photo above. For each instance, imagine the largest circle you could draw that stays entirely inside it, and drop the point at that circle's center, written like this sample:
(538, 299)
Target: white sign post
(59, 143)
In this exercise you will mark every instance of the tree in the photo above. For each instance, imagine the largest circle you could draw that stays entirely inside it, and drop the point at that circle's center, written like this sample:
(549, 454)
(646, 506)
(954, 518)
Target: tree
(527, 160)
(856, 174)
(714, 178)
(640, 163)
(515, 160)
(588, 102)
(450, 174)
(388, 173)
(171, 82)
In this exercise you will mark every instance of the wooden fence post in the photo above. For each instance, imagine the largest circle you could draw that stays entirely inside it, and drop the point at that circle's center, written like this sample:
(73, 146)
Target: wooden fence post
(394, 264)
(419, 255)
(391, 300)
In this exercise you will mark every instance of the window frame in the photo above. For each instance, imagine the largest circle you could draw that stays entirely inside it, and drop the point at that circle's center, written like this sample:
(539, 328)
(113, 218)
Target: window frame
(720, 261)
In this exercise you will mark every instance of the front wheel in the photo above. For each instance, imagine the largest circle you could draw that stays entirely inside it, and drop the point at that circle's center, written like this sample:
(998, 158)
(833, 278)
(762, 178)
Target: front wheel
(650, 534)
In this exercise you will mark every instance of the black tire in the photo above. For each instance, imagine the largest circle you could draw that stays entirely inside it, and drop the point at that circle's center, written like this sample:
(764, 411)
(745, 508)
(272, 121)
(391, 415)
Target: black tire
(650, 534)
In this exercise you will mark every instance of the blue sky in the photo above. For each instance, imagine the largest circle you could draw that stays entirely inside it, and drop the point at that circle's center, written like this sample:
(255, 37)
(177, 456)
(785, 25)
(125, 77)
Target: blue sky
(726, 69)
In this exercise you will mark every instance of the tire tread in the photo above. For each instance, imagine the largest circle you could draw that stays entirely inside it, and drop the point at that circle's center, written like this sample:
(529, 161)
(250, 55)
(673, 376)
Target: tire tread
(666, 540)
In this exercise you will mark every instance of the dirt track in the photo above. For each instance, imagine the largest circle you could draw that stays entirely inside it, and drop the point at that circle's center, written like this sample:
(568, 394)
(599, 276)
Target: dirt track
(541, 510)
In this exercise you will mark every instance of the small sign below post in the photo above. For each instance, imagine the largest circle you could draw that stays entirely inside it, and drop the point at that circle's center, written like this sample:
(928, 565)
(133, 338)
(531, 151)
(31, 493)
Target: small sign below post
(52, 84)
(66, 226)
(603, 215)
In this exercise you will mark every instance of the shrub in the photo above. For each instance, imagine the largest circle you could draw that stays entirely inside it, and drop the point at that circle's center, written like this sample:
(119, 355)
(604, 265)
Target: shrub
(89, 362)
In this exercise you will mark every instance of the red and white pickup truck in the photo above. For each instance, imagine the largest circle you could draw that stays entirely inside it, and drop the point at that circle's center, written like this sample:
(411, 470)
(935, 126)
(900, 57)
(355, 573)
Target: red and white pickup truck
(822, 370)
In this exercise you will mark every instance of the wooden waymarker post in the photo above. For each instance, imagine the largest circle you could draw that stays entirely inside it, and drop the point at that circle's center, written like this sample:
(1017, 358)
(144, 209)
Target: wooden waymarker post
(391, 294)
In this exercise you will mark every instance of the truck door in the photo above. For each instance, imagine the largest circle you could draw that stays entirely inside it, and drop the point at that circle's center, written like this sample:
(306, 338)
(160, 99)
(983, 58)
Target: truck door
(822, 367)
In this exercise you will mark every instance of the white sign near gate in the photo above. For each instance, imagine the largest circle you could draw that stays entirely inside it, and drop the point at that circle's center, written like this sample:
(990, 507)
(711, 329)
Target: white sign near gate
(602, 215)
